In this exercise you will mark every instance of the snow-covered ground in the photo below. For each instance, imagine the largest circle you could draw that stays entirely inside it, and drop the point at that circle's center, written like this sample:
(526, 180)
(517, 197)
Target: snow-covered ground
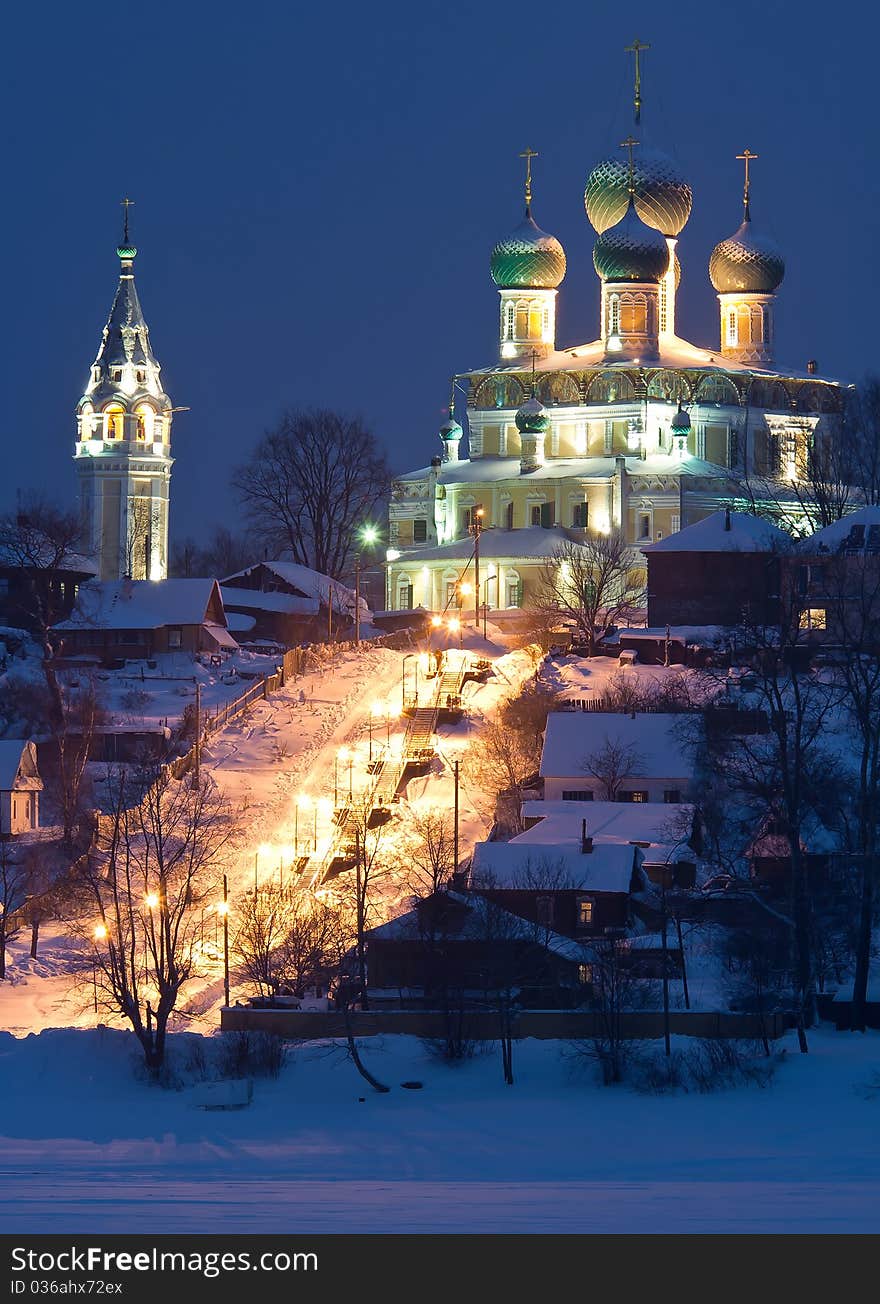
(89, 1146)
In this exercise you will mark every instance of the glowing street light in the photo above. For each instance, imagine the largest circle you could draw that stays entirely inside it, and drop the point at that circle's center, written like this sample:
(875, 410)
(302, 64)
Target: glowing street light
(152, 900)
(100, 932)
(223, 912)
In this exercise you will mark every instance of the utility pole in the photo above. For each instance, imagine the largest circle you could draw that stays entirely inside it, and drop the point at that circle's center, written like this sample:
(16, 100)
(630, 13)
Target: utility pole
(357, 599)
(476, 529)
(198, 743)
(329, 613)
(455, 823)
(225, 941)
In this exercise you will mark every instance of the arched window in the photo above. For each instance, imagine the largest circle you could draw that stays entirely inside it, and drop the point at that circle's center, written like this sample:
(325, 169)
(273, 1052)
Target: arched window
(114, 421)
(744, 324)
(634, 315)
(87, 421)
(614, 314)
(145, 417)
(509, 320)
(731, 326)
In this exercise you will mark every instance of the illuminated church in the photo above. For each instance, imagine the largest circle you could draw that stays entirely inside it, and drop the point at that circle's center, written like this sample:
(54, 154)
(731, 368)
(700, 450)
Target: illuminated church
(122, 452)
(638, 430)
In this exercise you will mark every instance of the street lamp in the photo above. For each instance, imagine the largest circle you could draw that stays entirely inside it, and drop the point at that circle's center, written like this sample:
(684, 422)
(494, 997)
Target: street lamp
(223, 912)
(455, 627)
(368, 536)
(476, 531)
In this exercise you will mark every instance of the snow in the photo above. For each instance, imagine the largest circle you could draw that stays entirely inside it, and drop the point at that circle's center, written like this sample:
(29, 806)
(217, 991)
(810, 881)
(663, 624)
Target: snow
(572, 736)
(747, 533)
(834, 536)
(140, 604)
(88, 1146)
(607, 868)
(11, 756)
(621, 821)
(287, 603)
(307, 582)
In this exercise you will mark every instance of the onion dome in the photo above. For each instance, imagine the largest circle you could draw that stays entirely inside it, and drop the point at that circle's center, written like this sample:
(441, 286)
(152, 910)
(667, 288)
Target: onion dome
(126, 252)
(663, 197)
(746, 263)
(529, 258)
(450, 428)
(681, 423)
(532, 419)
(631, 251)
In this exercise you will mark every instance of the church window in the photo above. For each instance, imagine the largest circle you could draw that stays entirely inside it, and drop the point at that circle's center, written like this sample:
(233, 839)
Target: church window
(634, 318)
(145, 422)
(535, 322)
(509, 321)
(744, 324)
(117, 375)
(404, 595)
(614, 315)
(644, 525)
(141, 377)
(731, 326)
(114, 422)
(508, 516)
(522, 321)
(420, 531)
(580, 516)
(546, 331)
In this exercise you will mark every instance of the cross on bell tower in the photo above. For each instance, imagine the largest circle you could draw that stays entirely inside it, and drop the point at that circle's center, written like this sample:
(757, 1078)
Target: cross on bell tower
(747, 157)
(636, 49)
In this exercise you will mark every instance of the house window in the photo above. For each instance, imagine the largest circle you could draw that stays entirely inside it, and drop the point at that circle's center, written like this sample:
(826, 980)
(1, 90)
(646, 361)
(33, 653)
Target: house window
(508, 518)
(175, 637)
(585, 974)
(633, 795)
(644, 525)
(577, 794)
(544, 910)
(813, 618)
(580, 516)
(420, 531)
(585, 912)
(672, 796)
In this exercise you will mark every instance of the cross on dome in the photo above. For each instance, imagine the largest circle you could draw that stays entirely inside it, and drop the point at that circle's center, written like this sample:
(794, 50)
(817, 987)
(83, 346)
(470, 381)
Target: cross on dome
(636, 49)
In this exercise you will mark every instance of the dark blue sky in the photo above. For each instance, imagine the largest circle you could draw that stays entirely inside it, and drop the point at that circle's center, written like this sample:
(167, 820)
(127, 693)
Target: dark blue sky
(318, 189)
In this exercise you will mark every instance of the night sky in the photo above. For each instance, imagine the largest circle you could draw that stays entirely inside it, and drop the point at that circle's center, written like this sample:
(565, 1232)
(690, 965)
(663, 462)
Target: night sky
(318, 189)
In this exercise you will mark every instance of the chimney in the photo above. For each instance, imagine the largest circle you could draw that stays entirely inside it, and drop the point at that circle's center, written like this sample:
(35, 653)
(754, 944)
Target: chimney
(586, 842)
(727, 518)
(811, 366)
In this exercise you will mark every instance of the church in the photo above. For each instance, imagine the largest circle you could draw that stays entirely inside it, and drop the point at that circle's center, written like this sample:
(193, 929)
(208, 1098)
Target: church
(122, 453)
(638, 431)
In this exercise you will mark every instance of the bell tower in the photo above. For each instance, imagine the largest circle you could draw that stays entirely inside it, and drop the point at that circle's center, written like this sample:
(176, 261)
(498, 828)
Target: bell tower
(123, 441)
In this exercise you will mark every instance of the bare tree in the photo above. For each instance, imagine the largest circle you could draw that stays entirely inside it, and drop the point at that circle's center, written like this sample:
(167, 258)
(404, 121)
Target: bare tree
(594, 584)
(224, 554)
(143, 887)
(612, 764)
(285, 939)
(15, 888)
(429, 851)
(310, 483)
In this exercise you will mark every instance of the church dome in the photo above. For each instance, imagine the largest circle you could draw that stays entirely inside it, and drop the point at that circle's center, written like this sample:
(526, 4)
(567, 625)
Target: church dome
(681, 422)
(631, 251)
(450, 428)
(532, 419)
(746, 263)
(529, 259)
(126, 252)
(663, 197)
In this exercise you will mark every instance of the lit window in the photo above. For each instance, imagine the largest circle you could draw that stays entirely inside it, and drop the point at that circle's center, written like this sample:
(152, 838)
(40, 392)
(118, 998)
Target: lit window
(585, 912)
(638, 795)
(585, 974)
(813, 618)
(614, 315)
(509, 321)
(114, 422)
(731, 326)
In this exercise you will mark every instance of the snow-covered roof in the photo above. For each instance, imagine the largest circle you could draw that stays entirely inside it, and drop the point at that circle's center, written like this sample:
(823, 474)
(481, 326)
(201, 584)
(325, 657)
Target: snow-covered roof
(532, 541)
(674, 352)
(141, 604)
(479, 921)
(237, 622)
(18, 755)
(726, 532)
(846, 534)
(28, 549)
(308, 583)
(609, 821)
(607, 868)
(487, 470)
(287, 604)
(572, 736)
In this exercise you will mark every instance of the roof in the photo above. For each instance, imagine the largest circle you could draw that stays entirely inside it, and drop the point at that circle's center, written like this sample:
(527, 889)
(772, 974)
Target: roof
(845, 534)
(486, 470)
(533, 541)
(726, 532)
(607, 868)
(308, 583)
(673, 352)
(125, 343)
(141, 604)
(609, 821)
(16, 754)
(287, 604)
(572, 736)
(477, 924)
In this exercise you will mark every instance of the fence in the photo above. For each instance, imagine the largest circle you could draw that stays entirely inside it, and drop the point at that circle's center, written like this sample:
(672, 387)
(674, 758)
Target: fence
(483, 1025)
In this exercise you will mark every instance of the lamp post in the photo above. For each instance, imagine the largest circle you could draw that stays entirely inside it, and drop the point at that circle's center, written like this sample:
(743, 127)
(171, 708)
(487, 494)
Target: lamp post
(476, 531)
(223, 911)
(455, 627)
(486, 582)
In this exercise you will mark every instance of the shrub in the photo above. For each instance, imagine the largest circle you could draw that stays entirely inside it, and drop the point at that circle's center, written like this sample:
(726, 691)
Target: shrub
(251, 1054)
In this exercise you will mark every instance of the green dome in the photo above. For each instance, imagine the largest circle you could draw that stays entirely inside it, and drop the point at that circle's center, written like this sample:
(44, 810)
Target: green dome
(529, 259)
(663, 197)
(631, 251)
(531, 419)
(126, 252)
(746, 263)
(681, 422)
(450, 428)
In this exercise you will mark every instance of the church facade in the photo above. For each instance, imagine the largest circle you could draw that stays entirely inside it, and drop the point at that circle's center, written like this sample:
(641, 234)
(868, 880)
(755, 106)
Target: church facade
(122, 453)
(637, 431)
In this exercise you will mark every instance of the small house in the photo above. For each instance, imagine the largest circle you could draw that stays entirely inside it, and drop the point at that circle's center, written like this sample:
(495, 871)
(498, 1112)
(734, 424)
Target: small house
(606, 756)
(289, 604)
(20, 787)
(136, 619)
